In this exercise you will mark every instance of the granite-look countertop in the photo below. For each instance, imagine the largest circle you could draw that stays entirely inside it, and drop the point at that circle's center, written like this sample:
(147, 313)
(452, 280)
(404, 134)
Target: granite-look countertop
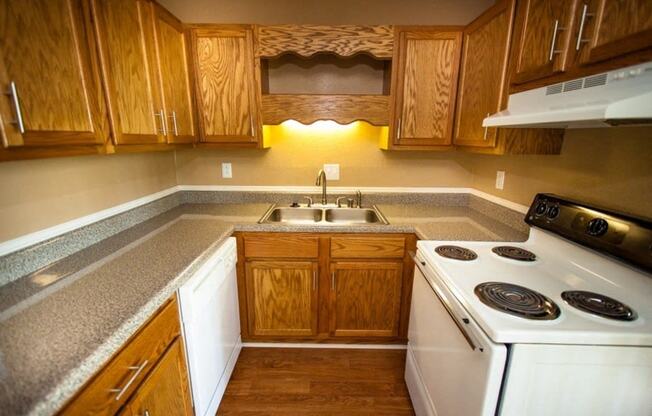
(60, 324)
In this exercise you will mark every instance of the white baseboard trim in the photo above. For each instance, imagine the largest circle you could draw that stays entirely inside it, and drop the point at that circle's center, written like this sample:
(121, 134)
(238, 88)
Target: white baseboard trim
(27, 240)
(318, 345)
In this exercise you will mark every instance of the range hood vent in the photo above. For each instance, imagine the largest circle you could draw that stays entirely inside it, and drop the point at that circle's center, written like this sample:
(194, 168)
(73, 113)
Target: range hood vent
(621, 97)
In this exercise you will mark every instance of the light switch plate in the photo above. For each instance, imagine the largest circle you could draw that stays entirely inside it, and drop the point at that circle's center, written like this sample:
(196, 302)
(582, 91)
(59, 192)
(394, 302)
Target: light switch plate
(500, 179)
(332, 171)
(227, 171)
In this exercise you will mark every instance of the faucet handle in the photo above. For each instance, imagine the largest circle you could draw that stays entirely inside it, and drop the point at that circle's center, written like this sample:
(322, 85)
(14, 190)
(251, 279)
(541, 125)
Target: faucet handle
(309, 198)
(338, 201)
(358, 198)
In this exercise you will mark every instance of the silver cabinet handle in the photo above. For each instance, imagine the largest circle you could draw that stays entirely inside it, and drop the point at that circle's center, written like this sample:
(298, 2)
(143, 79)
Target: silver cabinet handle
(314, 280)
(449, 309)
(398, 129)
(164, 128)
(585, 14)
(138, 369)
(484, 137)
(251, 125)
(174, 123)
(13, 93)
(146, 413)
(555, 30)
(333, 280)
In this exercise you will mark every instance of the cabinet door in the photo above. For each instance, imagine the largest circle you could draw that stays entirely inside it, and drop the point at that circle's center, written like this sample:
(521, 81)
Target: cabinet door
(126, 38)
(426, 88)
(483, 75)
(543, 29)
(365, 299)
(48, 69)
(610, 28)
(166, 390)
(175, 74)
(282, 298)
(226, 85)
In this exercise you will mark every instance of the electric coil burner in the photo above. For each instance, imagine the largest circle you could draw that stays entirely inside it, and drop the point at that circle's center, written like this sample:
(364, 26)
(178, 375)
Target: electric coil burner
(456, 253)
(517, 300)
(599, 305)
(514, 253)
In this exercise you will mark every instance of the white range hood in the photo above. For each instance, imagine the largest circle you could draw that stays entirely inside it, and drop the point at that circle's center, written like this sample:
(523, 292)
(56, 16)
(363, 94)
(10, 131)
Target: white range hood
(620, 97)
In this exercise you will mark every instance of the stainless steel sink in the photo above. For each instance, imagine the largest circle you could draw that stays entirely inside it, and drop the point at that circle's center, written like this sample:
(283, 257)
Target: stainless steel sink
(352, 216)
(299, 215)
(328, 215)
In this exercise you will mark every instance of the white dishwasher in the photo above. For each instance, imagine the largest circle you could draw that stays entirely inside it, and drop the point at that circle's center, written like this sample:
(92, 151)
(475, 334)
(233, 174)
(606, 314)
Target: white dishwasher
(211, 326)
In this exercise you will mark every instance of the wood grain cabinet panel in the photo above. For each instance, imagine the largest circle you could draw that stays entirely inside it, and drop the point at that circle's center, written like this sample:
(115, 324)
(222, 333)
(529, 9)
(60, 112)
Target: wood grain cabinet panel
(126, 37)
(282, 298)
(365, 299)
(483, 90)
(228, 93)
(544, 31)
(137, 358)
(166, 390)
(611, 28)
(426, 86)
(367, 247)
(281, 245)
(47, 52)
(175, 77)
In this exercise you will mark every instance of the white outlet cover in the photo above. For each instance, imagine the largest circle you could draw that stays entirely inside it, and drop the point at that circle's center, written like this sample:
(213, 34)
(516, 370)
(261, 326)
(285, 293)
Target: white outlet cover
(227, 171)
(500, 179)
(332, 171)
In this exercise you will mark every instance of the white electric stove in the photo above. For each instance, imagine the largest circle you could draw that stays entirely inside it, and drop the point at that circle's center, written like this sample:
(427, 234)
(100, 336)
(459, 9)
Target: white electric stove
(559, 324)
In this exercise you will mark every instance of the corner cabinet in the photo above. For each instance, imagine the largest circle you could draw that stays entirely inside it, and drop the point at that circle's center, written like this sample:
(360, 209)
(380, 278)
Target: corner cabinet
(424, 80)
(126, 41)
(483, 90)
(49, 76)
(227, 85)
(324, 287)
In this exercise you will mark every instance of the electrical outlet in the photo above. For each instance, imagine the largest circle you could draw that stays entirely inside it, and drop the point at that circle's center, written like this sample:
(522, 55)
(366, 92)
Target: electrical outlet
(500, 179)
(332, 171)
(227, 171)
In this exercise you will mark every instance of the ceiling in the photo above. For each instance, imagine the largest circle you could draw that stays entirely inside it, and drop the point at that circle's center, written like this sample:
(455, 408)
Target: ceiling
(369, 12)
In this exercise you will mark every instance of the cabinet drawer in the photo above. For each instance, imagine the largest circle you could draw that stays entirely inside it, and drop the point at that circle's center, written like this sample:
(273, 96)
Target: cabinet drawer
(129, 367)
(276, 245)
(367, 247)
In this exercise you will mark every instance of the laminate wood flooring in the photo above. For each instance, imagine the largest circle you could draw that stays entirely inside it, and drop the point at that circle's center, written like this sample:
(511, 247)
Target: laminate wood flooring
(315, 381)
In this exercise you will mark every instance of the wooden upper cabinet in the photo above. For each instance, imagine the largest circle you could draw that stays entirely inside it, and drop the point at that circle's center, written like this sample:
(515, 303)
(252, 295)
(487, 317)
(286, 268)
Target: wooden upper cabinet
(128, 54)
(483, 75)
(166, 390)
(175, 76)
(365, 299)
(425, 80)
(49, 70)
(282, 297)
(228, 90)
(543, 34)
(610, 28)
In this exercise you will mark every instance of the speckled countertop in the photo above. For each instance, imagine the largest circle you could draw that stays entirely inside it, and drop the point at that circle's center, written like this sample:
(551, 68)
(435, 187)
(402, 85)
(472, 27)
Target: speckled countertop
(60, 324)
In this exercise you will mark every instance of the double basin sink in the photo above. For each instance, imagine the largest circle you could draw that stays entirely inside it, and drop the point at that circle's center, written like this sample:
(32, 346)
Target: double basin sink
(327, 215)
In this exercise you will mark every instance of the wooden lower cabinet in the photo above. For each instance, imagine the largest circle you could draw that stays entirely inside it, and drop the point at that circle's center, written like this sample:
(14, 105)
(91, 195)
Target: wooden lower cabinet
(282, 297)
(328, 288)
(365, 299)
(165, 391)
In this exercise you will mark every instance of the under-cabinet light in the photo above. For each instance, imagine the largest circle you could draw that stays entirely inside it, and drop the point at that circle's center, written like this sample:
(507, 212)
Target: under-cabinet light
(319, 126)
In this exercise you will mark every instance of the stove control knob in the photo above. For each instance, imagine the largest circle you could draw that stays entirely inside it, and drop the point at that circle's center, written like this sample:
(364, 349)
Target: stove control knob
(553, 212)
(597, 227)
(541, 208)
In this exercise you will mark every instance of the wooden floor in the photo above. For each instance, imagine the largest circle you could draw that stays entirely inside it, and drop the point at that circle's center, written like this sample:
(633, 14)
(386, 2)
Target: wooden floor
(310, 381)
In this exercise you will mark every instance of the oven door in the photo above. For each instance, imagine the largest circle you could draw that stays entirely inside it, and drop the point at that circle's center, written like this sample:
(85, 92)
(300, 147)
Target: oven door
(452, 367)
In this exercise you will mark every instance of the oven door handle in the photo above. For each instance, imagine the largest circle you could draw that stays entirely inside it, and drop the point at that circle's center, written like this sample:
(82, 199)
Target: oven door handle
(446, 304)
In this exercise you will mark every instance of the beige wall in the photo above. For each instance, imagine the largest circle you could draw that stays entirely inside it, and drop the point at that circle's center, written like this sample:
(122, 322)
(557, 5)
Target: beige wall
(37, 194)
(297, 153)
(610, 167)
(370, 12)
